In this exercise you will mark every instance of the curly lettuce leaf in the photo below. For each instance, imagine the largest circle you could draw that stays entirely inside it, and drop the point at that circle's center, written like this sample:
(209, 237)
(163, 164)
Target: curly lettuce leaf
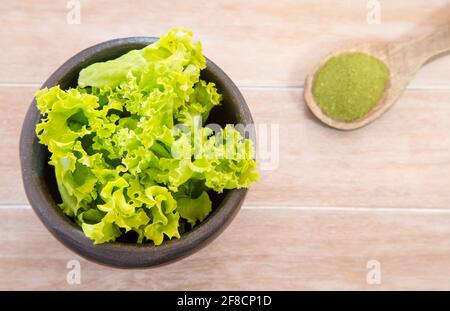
(194, 209)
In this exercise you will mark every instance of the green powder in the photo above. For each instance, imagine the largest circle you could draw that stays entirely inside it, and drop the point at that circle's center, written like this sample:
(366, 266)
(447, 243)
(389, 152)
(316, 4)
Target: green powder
(348, 86)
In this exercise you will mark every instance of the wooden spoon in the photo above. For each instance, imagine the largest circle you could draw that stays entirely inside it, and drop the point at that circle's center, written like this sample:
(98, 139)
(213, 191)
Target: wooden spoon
(403, 59)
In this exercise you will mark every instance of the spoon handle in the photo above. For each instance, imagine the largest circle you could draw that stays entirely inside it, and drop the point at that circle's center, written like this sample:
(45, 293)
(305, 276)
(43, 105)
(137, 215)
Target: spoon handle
(409, 56)
(436, 43)
(432, 45)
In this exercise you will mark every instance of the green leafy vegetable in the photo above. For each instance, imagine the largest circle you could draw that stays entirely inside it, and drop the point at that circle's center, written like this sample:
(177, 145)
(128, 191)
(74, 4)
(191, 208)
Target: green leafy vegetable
(129, 146)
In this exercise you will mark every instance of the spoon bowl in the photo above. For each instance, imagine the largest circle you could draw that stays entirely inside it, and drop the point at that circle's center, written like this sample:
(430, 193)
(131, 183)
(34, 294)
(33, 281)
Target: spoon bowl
(403, 59)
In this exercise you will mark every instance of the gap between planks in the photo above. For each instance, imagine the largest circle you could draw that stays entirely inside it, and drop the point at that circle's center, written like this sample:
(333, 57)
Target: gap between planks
(344, 209)
(245, 85)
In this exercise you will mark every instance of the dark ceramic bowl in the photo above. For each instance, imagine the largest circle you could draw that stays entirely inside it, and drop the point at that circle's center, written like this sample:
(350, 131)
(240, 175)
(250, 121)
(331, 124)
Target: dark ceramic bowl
(40, 185)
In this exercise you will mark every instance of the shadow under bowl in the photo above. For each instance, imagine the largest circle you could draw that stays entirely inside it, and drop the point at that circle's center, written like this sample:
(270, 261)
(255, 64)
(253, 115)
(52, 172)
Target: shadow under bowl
(41, 189)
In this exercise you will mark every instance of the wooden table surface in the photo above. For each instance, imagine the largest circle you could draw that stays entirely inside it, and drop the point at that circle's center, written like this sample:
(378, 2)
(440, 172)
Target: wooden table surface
(336, 203)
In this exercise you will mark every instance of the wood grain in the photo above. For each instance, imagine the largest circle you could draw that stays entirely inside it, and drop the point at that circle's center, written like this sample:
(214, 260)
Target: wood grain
(14, 101)
(259, 42)
(402, 160)
(262, 250)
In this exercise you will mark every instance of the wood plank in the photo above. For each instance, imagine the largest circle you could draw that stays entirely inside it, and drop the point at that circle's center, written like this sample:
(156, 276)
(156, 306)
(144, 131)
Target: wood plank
(269, 249)
(402, 160)
(257, 42)
(14, 101)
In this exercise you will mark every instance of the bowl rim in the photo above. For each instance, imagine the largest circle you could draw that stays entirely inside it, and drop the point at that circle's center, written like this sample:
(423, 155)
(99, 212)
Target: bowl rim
(119, 254)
